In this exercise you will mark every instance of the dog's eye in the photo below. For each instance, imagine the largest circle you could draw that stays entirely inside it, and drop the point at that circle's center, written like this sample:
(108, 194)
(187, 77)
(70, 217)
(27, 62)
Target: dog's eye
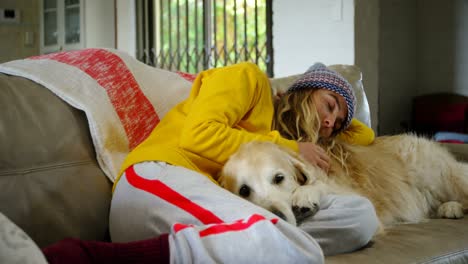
(244, 191)
(278, 178)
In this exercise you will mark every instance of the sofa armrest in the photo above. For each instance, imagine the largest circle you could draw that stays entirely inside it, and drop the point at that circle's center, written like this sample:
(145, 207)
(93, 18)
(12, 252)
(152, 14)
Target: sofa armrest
(52, 186)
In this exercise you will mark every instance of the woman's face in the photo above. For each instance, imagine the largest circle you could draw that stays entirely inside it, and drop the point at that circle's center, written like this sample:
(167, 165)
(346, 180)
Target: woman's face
(332, 110)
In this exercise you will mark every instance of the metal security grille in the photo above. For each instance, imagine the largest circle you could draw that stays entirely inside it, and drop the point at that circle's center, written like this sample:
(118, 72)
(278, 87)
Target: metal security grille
(193, 35)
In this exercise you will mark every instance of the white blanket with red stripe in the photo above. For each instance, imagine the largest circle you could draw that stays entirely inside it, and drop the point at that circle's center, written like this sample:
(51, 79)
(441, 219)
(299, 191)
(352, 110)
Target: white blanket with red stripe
(123, 98)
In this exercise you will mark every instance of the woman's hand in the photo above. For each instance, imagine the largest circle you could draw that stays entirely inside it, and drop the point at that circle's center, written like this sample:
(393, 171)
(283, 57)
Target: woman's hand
(314, 154)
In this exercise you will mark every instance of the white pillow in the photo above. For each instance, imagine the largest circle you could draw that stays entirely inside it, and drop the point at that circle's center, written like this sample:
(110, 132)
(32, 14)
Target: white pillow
(16, 246)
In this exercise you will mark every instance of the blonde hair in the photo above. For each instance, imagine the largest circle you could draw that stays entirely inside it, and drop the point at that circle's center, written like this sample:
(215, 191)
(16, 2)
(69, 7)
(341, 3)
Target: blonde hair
(296, 116)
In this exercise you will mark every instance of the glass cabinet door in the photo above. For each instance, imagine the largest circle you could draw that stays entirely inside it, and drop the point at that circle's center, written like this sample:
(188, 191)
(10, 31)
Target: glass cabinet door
(50, 22)
(61, 25)
(72, 21)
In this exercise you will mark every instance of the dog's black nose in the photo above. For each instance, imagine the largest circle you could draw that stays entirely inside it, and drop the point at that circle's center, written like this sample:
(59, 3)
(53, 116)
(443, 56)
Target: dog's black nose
(300, 210)
(279, 214)
(301, 213)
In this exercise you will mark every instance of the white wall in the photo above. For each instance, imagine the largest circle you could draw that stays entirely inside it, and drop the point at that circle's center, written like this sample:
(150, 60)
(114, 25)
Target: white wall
(13, 35)
(461, 47)
(99, 24)
(307, 31)
(443, 47)
(398, 47)
(367, 34)
(436, 46)
(126, 26)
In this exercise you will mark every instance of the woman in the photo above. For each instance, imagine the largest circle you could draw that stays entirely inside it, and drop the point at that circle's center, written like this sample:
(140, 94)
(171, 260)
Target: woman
(316, 108)
(168, 187)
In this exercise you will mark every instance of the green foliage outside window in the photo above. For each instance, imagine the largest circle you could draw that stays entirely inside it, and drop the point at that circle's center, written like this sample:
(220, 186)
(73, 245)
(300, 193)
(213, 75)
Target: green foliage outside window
(234, 34)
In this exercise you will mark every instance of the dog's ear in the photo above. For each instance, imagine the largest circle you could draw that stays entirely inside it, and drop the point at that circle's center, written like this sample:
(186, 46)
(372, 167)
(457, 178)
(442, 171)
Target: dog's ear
(303, 170)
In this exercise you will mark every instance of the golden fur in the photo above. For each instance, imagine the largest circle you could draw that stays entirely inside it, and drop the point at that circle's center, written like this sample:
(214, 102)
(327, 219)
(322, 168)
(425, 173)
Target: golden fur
(407, 178)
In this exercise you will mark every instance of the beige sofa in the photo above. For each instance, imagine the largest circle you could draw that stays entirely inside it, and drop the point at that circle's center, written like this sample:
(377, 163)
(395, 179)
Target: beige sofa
(52, 187)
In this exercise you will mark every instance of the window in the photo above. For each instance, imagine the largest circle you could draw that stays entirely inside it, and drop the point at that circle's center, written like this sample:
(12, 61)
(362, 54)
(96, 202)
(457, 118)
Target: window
(193, 35)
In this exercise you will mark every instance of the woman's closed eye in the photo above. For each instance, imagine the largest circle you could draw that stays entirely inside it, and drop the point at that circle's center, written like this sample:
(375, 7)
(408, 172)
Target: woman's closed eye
(330, 107)
(332, 104)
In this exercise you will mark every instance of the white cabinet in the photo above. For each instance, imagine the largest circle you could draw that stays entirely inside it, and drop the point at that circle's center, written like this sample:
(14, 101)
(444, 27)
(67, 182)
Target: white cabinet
(76, 24)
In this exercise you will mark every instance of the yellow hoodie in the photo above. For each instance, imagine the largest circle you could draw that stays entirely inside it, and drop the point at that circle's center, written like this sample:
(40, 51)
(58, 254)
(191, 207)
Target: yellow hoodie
(357, 133)
(226, 107)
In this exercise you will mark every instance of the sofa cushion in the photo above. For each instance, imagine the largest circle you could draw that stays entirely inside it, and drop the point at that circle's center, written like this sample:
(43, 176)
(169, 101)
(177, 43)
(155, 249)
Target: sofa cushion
(51, 184)
(435, 241)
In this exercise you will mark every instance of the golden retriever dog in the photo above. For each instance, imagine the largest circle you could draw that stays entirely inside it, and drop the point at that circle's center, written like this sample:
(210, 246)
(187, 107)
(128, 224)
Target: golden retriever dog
(407, 178)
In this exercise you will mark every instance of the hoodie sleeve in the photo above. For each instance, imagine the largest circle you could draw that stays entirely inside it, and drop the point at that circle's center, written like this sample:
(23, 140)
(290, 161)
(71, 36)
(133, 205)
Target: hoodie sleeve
(230, 106)
(357, 133)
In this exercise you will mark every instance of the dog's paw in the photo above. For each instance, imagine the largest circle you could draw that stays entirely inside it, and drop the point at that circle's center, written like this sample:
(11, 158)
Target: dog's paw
(451, 210)
(305, 202)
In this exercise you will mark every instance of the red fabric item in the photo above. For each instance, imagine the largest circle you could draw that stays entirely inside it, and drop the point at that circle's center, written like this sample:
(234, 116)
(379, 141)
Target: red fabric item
(111, 72)
(450, 117)
(187, 76)
(75, 251)
(440, 112)
(451, 141)
(164, 192)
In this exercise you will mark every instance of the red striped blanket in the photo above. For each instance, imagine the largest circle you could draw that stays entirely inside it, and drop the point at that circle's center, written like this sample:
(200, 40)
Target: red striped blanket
(123, 98)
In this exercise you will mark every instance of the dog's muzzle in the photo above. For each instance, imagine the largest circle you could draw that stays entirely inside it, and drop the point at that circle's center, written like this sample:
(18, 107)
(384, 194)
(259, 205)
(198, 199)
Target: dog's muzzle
(279, 214)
